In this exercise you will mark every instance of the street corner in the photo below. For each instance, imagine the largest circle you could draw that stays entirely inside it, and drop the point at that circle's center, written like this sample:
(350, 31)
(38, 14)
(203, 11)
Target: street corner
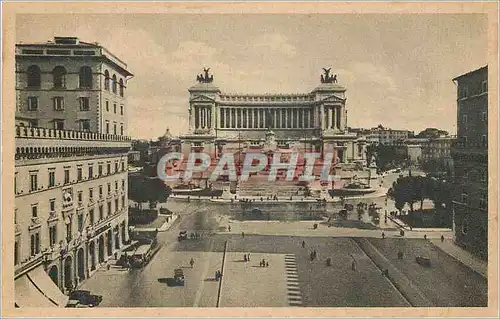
(258, 282)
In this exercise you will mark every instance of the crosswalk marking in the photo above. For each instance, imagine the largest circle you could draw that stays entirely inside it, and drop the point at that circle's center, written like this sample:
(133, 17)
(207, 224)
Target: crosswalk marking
(294, 295)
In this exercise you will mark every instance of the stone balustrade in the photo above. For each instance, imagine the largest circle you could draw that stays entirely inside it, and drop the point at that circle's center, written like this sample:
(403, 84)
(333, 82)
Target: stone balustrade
(46, 133)
(268, 98)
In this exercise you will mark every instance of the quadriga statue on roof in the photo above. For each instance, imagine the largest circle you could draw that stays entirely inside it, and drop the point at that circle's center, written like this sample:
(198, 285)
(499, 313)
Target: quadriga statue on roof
(205, 78)
(327, 78)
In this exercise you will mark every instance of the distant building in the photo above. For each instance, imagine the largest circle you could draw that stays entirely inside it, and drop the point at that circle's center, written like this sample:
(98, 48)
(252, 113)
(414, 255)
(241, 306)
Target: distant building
(436, 153)
(70, 183)
(470, 156)
(382, 135)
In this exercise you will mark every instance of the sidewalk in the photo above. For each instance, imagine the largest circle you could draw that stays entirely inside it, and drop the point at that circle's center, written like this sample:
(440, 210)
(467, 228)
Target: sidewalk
(478, 265)
(164, 227)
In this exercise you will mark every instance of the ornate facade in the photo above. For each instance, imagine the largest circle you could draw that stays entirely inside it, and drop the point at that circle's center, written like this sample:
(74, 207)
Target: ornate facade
(71, 179)
(315, 121)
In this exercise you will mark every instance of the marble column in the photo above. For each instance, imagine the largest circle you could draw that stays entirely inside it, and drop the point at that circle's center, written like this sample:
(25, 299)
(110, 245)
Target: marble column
(322, 115)
(275, 120)
(334, 117)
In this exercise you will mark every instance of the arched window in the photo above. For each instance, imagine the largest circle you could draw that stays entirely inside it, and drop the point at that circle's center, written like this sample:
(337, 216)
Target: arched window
(59, 77)
(106, 80)
(114, 83)
(121, 87)
(34, 76)
(85, 77)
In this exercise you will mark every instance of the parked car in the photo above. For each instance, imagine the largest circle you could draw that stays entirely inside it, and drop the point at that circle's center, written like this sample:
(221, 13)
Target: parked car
(141, 256)
(424, 261)
(76, 304)
(182, 235)
(84, 297)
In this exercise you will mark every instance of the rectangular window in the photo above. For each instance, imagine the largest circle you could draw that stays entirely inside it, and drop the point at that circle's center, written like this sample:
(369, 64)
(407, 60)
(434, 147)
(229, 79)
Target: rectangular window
(34, 211)
(121, 109)
(52, 235)
(79, 174)
(80, 222)
(107, 127)
(91, 172)
(108, 167)
(91, 216)
(464, 119)
(59, 124)
(35, 244)
(484, 117)
(66, 176)
(99, 170)
(464, 198)
(69, 234)
(114, 129)
(123, 166)
(58, 103)
(484, 141)
(109, 188)
(100, 190)
(109, 209)
(80, 197)
(84, 103)
(123, 200)
(116, 185)
(85, 125)
(32, 103)
(114, 108)
(121, 129)
(116, 204)
(52, 205)
(33, 182)
(483, 201)
(101, 212)
(123, 184)
(116, 167)
(484, 86)
(107, 106)
(91, 193)
(52, 179)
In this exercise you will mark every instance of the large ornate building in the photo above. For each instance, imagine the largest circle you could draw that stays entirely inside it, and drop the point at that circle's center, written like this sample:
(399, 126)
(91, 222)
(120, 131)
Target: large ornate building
(315, 121)
(470, 158)
(70, 186)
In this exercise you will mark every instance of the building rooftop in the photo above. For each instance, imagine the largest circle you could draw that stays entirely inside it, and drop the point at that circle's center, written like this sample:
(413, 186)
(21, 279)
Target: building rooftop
(73, 47)
(471, 72)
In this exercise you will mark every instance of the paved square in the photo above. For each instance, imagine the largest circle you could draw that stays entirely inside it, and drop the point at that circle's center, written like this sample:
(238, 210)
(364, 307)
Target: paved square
(247, 284)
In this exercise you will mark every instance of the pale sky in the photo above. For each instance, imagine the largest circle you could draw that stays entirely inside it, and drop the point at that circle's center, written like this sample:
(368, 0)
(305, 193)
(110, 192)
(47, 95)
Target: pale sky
(397, 69)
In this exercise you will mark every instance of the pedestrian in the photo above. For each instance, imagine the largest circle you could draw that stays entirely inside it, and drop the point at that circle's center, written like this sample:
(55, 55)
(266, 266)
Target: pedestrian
(442, 238)
(243, 234)
(108, 266)
(245, 258)
(229, 228)
(353, 265)
(248, 256)
(425, 236)
(263, 262)
(383, 235)
(303, 244)
(191, 262)
(267, 264)
(315, 255)
(216, 275)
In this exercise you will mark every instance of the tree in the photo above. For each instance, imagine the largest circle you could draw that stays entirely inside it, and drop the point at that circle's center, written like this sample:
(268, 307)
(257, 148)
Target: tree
(147, 189)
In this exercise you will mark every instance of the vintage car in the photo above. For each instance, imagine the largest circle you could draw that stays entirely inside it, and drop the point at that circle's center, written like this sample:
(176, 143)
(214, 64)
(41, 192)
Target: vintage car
(179, 277)
(85, 298)
(424, 261)
(182, 235)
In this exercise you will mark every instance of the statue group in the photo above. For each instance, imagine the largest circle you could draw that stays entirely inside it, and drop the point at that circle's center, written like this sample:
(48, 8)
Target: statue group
(205, 78)
(327, 78)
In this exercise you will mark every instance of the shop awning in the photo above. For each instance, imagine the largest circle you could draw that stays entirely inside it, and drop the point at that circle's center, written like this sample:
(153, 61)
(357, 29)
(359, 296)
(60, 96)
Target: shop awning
(42, 280)
(28, 295)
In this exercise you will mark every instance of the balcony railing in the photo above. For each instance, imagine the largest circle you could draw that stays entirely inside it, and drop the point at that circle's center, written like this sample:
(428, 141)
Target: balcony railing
(40, 132)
